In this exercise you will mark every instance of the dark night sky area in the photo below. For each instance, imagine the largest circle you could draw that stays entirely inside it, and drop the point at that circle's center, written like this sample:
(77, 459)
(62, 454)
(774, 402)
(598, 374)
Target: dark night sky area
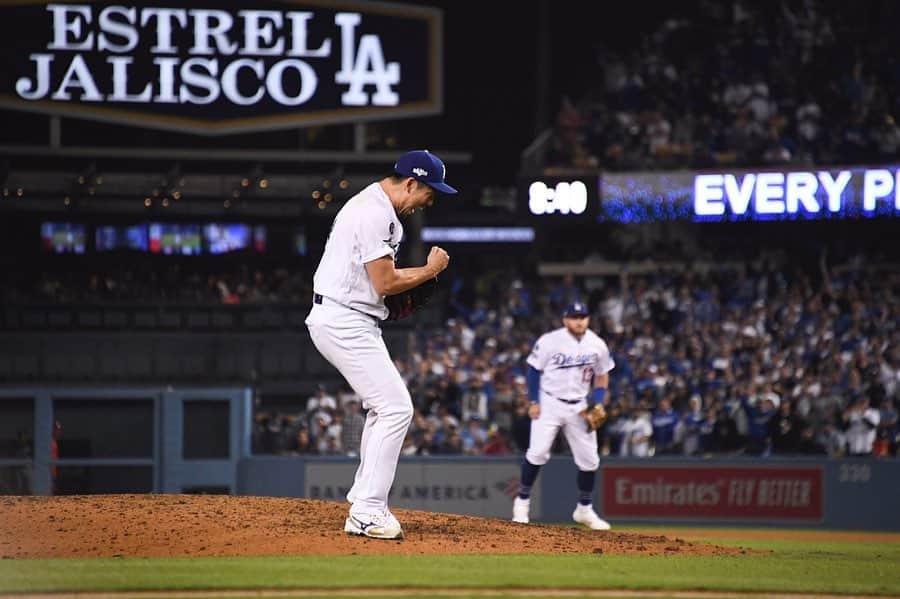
(490, 64)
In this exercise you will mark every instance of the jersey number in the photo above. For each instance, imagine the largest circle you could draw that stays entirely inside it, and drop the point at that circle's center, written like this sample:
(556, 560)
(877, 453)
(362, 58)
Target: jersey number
(587, 375)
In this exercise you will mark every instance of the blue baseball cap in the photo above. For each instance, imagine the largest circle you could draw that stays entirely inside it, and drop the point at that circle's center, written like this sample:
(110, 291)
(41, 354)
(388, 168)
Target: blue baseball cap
(424, 166)
(576, 309)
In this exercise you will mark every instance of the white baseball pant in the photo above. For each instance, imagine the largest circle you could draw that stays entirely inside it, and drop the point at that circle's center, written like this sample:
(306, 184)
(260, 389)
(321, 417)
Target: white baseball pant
(556, 415)
(351, 341)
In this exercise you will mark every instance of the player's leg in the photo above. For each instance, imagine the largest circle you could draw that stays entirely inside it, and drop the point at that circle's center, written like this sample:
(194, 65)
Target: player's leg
(353, 344)
(389, 399)
(540, 444)
(583, 444)
(371, 417)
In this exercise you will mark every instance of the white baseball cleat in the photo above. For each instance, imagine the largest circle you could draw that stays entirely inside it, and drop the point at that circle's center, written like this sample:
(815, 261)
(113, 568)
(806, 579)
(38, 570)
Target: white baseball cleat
(585, 514)
(378, 525)
(520, 510)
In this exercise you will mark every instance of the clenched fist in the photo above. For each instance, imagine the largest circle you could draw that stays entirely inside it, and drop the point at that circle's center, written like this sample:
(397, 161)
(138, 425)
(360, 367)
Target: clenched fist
(438, 259)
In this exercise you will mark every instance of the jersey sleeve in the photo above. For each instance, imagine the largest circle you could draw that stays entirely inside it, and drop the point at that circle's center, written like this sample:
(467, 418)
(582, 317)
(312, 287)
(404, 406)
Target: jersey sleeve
(605, 362)
(537, 359)
(375, 235)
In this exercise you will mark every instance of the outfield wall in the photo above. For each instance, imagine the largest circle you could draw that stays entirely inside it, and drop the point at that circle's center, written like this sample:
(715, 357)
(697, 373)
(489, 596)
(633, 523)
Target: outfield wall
(197, 440)
(861, 494)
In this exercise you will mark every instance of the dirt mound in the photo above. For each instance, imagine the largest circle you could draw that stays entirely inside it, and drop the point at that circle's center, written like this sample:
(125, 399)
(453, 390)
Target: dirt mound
(195, 525)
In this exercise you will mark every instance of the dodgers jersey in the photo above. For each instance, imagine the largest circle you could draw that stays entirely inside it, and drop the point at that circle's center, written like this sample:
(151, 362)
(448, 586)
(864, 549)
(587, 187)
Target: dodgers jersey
(365, 228)
(567, 365)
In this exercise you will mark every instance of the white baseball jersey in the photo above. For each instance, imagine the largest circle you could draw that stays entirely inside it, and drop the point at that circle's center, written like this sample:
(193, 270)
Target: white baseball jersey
(861, 436)
(366, 228)
(636, 437)
(568, 365)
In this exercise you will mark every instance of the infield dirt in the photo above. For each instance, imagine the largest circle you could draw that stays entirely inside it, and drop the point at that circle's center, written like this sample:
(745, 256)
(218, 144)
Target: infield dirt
(220, 525)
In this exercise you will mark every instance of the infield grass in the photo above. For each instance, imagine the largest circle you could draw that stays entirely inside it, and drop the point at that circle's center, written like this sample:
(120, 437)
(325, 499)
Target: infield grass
(841, 567)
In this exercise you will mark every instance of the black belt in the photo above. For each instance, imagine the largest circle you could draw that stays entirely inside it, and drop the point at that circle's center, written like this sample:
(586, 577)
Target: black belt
(568, 401)
(318, 298)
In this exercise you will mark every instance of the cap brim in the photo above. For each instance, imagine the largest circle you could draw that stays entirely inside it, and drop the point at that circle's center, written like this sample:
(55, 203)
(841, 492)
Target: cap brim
(442, 187)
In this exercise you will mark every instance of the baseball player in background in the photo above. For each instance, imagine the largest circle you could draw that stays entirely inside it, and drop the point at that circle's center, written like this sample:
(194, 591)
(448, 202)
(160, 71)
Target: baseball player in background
(357, 270)
(568, 371)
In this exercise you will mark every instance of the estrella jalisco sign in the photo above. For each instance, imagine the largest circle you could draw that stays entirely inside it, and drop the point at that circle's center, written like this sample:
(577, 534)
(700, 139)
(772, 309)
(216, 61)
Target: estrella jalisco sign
(221, 67)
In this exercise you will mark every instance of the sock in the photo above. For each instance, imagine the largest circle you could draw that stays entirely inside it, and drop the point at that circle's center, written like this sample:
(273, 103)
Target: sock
(585, 487)
(526, 480)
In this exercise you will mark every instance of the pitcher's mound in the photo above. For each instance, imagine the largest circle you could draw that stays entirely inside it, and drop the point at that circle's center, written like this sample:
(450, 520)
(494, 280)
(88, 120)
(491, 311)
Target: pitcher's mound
(196, 525)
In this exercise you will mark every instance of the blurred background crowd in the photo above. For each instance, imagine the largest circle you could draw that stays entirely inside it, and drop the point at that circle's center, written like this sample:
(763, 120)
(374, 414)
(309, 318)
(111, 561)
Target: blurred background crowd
(760, 360)
(740, 84)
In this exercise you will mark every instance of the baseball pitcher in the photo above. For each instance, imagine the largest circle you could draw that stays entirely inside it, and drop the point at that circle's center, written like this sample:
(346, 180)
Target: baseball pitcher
(354, 285)
(568, 374)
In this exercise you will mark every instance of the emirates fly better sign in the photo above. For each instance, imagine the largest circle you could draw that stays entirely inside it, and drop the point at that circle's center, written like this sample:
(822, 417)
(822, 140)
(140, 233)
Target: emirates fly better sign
(730, 493)
(221, 67)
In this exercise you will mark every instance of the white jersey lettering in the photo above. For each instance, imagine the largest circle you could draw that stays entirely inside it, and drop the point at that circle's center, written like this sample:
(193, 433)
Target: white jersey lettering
(568, 365)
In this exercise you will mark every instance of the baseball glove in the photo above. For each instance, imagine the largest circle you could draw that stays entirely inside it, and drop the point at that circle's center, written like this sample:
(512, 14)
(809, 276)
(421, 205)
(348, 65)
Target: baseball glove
(409, 302)
(594, 415)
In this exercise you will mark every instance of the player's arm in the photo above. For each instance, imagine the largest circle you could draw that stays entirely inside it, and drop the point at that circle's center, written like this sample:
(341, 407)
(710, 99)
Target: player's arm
(601, 384)
(389, 280)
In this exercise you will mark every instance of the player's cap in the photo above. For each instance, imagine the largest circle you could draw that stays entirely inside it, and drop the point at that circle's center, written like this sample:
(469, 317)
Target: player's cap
(424, 166)
(576, 309)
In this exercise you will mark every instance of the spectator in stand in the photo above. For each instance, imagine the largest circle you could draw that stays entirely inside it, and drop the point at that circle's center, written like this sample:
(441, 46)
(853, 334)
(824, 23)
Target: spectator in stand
(474, 436)
(319, 423)
(832, 437)
(521, 432)
(637, 434)
(496, 443)
(886, 437)
(664, 421)
(612, 434)
(452, 442)
(321, 400)
(860, 424)
(787, 430)
(475, 400)
(345, 396)
(725, 435)
(302, 444)
(760, 414)
(273, 432)
(690, 426)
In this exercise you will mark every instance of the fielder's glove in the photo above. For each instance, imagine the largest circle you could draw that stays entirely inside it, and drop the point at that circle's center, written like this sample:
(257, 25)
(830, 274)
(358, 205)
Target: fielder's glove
(594, 415)
(409, 302)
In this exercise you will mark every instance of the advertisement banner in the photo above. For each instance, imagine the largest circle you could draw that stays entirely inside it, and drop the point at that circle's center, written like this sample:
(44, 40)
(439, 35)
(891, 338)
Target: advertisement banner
(468, 488)
(220, 67)
(733, 493)
(745, 195)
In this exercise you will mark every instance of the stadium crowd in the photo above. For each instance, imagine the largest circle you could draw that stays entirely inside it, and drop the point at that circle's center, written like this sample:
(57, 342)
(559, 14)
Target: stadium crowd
(235, 283)
(761, 360)
(743, 84)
